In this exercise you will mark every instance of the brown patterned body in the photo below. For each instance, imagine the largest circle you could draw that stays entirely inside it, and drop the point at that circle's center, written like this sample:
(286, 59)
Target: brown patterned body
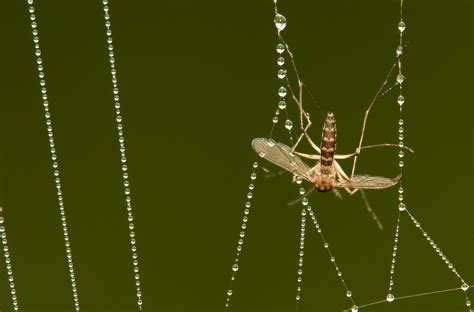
(326, 175)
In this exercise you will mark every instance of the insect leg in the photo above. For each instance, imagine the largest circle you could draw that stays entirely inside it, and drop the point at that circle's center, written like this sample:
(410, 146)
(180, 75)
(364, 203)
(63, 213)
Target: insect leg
(357, 152)
(369, 209)
(347, 156)
(308, 156)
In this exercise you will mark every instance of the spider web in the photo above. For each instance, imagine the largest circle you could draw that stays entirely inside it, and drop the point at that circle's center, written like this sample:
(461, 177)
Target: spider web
(407, 226)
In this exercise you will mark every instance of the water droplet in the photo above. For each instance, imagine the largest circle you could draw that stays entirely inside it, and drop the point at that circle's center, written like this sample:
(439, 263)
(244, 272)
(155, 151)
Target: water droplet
(464, 286)
(301, 191)
(253, 176)
(349, 294)
(468, 303)
(229, 292)
(326, 245)
(281, 73)
(281, 61)
(390, 298)
(235, 267)
(280, 22)
(280, 48)
(282, 91)
(354, 308)
(401, 164)
(288, 124)
(299, 180)
(401, 154)
(261, 154)
(282, 104)
(400, 122)
(400, 130)
(271, 143)
(399, 50)
(400, 78)
(255, 165)
(304, 201)
(401, 26)
(275, 119)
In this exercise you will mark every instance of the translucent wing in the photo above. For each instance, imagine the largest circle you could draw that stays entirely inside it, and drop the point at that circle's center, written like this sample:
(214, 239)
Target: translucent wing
(279, 154)
(368, 182)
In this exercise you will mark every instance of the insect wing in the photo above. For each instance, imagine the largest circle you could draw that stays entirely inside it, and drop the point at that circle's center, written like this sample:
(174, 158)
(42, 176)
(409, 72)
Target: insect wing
(279, 154)
(369, 182)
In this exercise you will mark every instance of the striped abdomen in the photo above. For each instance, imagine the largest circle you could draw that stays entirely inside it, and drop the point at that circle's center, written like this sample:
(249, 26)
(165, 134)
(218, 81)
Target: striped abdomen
(328, 143)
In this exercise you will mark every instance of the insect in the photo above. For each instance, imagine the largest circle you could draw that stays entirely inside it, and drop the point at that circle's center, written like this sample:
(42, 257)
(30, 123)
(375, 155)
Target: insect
(327, 174)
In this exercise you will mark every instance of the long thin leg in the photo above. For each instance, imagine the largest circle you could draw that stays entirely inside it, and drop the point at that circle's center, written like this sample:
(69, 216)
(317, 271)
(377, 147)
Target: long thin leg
(298, 98)
(347, 156)
(308, 156)
(357, 152)
(369, 209)
(342, 175)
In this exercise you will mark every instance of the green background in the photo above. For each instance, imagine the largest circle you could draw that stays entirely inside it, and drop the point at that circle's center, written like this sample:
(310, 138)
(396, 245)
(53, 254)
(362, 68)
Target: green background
(198, 82)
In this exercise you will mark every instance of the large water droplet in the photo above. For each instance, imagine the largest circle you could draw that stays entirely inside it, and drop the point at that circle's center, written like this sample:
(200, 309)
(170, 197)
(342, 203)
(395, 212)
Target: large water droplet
(401, 26)
(281, 73)
(282, 91)
(235, 267)
(399, 50)
(280, 48)
(281, 61)
(390, 298)
(288, 124)
(354, 308)
(464, 286)
(282, 104)
(280, 22)
(400, 78)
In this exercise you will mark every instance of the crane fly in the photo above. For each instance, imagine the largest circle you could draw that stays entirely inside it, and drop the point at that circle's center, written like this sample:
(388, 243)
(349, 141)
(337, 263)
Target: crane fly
(327, 174)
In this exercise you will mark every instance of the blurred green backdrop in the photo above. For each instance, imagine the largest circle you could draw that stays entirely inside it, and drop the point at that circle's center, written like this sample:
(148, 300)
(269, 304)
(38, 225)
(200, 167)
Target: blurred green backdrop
(198, 82)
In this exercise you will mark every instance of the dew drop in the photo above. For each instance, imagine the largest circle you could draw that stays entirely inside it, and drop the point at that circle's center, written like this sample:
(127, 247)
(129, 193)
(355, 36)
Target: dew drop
(281, 73)
(229, 292)
(282, 91)
(354, 308)
(401, 26)
(390, 298)
(401, 164)
(464, 286)
(299, 180)
(401, 154)
(349, 294)
(280, 22)
(400, 78)
(282, 104)
(280, 48)
(304, 201)
(288, 124)
(275, 120)
(399, 50)
(235, 267)
(281, 61)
